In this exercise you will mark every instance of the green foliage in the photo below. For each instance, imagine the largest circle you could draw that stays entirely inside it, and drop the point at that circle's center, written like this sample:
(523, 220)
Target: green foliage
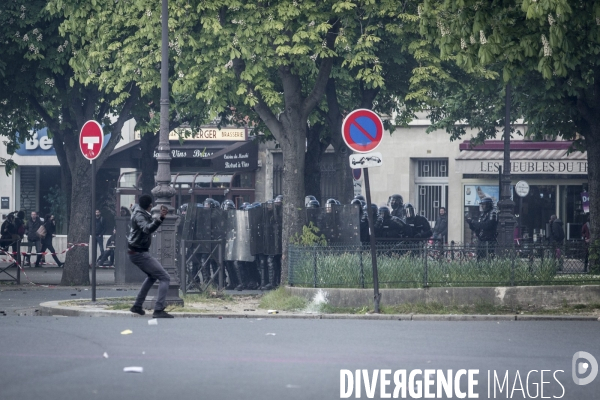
(281, 300)
(309, 237)
(401, 269)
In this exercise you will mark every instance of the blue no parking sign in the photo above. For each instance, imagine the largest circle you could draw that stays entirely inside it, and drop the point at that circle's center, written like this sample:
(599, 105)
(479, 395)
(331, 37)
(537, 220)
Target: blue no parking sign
(362, 130)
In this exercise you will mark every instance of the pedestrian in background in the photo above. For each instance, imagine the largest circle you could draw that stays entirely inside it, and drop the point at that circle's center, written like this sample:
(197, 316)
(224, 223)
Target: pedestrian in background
(440, 230)
(138, 242)
(99, 233)
(557, 236)
(586, 235)
(33, 240)
(50, 225)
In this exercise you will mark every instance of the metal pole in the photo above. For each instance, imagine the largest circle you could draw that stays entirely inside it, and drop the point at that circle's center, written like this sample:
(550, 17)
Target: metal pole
(377, 295)
(94, 242)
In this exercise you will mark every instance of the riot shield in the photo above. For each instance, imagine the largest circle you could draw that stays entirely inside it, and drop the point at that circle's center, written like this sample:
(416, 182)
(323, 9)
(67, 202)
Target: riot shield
(210, 225)
(256, 230)
(340, 224)
(237, 236)
(272, 217)
(189, 223)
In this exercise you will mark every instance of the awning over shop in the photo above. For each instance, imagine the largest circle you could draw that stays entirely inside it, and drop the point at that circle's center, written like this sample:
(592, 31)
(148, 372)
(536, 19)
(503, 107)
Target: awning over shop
(241, 156)
(525, 157)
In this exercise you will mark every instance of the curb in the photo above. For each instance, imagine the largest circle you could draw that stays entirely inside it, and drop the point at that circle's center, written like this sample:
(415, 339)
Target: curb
(52, 308)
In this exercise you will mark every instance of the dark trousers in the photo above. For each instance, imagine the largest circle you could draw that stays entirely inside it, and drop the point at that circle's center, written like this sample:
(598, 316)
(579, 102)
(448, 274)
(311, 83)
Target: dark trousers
(38, 249)
(48, 246)
(100, 241)
(151, 267)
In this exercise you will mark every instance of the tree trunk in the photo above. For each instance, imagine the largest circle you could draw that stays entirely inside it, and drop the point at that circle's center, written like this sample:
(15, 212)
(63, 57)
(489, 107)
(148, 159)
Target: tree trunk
(293, 146)
(76, 270)
(344, 180)
(592, 144)
(314, 154)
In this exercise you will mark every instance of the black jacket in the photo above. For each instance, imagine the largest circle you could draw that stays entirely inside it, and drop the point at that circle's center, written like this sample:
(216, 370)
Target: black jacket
(50, 230)
(99, 226)
(557, 233)
(142, 227)
(31, 229)
(486, 226)
(441, 225)
(420, 227)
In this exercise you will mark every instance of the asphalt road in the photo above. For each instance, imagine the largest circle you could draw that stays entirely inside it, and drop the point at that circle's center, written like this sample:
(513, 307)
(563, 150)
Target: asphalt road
(62, 358)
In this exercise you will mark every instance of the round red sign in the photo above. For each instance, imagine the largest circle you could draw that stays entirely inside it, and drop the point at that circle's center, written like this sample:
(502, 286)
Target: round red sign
(362, 130)
(91, 140)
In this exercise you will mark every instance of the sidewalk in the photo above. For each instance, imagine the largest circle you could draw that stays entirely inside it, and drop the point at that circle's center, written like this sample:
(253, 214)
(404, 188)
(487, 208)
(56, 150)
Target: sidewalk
(44, 296)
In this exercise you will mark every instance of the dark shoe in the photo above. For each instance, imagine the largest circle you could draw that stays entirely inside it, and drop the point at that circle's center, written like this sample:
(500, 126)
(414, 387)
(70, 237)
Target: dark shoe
(138, 310)
(240, 287)
(268, 286)
(161, 314)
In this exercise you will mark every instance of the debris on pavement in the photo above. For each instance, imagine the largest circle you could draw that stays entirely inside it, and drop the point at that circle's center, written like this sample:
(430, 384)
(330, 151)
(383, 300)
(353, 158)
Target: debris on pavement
(105, 355)
(127, 332)
(152, 322)
(138, 370)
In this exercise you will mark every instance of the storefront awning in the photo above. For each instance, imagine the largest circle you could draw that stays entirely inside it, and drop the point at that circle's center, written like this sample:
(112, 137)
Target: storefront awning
(525, 157)
(241, 156)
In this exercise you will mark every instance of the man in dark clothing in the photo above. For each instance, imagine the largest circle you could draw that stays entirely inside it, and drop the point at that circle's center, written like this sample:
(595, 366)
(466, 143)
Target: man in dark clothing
(109, 253)
(99, 233)
(388, 226)
(485, 228)
(138, 242)
(440, 230)
(396, 203)
(557, 236)
(420, 227)
(33, 239)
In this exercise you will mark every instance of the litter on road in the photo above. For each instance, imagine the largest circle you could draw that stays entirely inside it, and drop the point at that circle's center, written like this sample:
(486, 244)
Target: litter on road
(127, 332)
(152, 322)
(105, 355)
(138, 370)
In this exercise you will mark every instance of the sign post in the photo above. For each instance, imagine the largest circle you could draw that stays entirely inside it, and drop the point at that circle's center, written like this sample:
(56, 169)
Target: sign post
(362, 131)
(91, 141)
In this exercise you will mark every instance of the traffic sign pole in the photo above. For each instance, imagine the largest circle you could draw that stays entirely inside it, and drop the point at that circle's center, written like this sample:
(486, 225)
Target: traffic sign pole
(94, 241)
(91, 140)
(377, 295)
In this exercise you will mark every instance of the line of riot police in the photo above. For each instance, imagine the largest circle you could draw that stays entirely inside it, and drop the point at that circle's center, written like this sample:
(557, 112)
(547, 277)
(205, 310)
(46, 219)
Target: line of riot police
(252, 234)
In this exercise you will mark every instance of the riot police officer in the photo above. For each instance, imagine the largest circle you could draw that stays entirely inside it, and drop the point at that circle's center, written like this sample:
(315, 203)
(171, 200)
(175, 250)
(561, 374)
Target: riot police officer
(388, 226)
(308, 198)
(396, 203)
(419, 226)
(313, 204)
(485, 228)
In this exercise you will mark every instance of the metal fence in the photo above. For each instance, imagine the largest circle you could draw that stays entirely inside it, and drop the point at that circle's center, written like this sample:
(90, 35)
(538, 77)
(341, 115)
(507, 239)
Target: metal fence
(423, 264)
(196, 254)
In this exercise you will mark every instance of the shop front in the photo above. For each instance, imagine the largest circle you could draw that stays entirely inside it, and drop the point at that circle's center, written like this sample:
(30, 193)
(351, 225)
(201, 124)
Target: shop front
(216, 163)
(555, 182)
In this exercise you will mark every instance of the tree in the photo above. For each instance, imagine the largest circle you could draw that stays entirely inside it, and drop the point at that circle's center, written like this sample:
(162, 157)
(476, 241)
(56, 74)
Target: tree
(39, 90)
(547, 50)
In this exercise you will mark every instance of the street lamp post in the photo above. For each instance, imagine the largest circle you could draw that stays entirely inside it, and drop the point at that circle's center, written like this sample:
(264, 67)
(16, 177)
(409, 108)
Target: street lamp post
(164, 245)
(506, 217)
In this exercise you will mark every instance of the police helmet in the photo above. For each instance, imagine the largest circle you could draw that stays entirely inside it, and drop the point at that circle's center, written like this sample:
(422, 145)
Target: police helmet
(313, 204)
(330, 203)
(228, 205)
(360, 197)
(374, 209)
(486, 204)
(270, 204)
(244, 205)
(279, 197)
(384, 212)
(409, 210)
(211, 203)
(308, 198)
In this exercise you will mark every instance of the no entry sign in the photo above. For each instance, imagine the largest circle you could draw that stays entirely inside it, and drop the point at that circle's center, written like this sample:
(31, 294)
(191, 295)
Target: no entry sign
(362, 130)
(91, 140)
